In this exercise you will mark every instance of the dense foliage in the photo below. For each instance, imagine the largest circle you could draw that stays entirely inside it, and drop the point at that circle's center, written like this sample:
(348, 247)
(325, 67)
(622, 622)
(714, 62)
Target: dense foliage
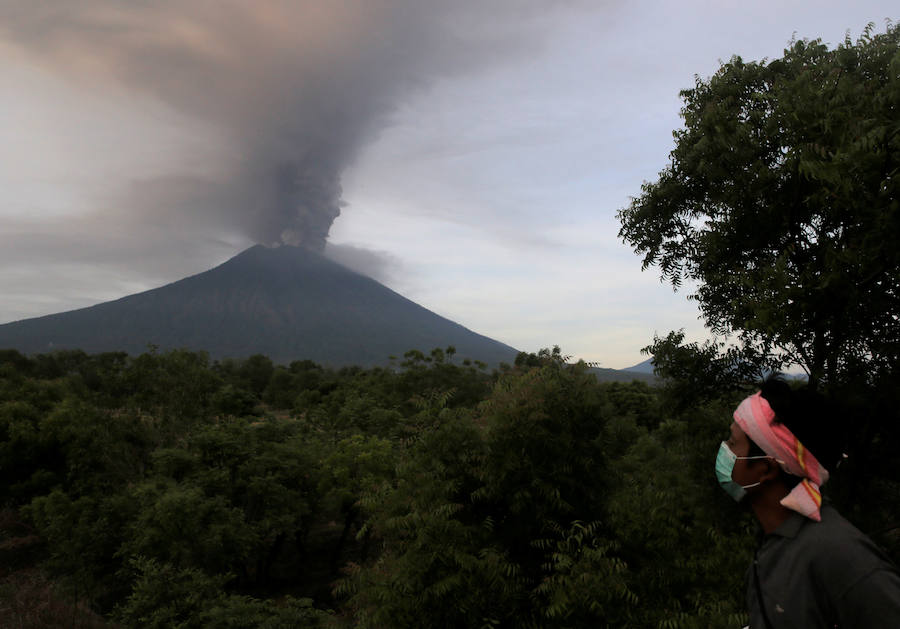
(165, 491)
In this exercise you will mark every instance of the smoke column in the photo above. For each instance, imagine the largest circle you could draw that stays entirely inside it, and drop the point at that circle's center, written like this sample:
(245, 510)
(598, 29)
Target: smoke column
(296, 87)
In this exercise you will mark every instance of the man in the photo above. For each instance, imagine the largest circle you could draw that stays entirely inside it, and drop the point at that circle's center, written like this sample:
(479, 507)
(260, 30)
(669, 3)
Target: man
(813, 568)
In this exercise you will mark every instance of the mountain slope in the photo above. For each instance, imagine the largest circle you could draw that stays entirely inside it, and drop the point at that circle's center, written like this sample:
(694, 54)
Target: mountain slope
(287, 303)
(645, 366)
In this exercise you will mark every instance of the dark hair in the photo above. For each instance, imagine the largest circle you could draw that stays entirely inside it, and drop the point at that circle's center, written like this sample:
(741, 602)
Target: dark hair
(813, 419)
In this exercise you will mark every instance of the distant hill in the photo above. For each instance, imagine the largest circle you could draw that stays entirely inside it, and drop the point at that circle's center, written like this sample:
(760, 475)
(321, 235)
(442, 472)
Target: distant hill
(287, 303)
(623, 375)
(645, 366)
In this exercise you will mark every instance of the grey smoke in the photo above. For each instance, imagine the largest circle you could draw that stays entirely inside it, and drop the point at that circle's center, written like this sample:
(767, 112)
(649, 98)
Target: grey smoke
(295, 88)
(379, 265)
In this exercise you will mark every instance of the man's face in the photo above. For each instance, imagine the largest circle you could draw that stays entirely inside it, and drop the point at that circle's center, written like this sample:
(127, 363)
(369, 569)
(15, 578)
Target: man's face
(740, 445)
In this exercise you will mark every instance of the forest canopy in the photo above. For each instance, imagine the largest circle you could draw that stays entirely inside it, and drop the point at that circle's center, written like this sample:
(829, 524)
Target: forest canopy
(167, 491)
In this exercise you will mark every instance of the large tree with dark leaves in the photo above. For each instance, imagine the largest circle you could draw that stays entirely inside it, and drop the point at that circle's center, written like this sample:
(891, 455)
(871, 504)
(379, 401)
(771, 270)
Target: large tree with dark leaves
(781, 204)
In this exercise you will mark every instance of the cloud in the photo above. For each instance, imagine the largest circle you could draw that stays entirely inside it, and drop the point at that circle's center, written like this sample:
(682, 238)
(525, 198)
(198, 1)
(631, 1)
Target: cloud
(293, 88)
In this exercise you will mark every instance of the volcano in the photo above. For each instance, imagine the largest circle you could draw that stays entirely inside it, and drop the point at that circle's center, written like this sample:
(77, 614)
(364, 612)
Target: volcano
(287, 303)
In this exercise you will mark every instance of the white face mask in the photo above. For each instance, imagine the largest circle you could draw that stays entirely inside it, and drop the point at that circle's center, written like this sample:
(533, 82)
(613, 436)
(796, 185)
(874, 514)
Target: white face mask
(725, 468)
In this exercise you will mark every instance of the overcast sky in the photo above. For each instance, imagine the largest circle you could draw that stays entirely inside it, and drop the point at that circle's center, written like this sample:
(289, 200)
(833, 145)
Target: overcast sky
(471, 155)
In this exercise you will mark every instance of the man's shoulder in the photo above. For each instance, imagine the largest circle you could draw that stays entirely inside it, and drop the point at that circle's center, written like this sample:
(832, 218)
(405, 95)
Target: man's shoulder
(832, 524)
(839, 550)
(833, 533)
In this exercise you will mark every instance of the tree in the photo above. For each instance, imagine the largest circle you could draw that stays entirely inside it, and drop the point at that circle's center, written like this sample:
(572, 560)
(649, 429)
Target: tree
(781, 202)
(167, 596)
(695, 373)
(482, 525)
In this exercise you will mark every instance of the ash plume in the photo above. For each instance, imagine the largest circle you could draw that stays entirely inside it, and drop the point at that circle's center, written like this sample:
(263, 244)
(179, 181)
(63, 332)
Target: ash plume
(294, 87)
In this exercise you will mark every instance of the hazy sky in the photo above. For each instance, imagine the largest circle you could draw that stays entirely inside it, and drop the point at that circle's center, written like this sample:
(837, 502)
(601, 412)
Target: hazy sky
(471, 154)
